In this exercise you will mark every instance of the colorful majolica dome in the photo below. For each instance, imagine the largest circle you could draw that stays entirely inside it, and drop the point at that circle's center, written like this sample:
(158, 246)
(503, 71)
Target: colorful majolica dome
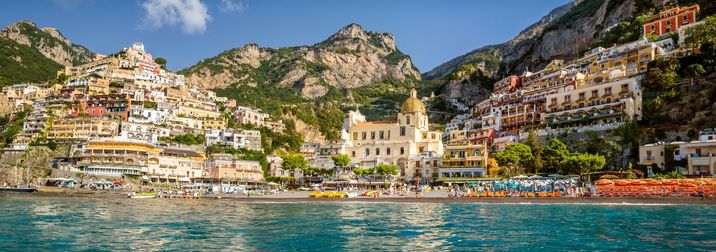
(412, 104)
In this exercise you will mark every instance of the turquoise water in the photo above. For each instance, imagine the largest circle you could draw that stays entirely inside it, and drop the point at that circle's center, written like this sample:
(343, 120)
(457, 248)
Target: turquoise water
(31, 223)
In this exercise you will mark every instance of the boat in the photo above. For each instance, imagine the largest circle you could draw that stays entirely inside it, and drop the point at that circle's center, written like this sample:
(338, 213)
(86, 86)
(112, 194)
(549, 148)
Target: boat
(12, 189)
(150, 195)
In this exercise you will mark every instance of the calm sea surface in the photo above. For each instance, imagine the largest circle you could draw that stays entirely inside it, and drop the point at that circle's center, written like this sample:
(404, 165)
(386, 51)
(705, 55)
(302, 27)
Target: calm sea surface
(31, 223)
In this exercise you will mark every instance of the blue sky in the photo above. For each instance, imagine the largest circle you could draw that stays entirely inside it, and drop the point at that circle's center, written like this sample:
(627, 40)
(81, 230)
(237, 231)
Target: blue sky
(186, 31)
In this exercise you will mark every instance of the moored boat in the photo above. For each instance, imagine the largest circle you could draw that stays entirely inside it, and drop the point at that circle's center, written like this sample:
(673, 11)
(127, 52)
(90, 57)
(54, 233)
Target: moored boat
(12, 189)
(143, 195)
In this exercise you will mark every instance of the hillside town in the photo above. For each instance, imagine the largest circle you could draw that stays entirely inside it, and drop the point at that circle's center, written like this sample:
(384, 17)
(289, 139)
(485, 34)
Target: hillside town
(124, 115)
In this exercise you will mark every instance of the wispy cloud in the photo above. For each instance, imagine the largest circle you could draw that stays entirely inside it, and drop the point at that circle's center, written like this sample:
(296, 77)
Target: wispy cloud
(192, 15)
(228, 6)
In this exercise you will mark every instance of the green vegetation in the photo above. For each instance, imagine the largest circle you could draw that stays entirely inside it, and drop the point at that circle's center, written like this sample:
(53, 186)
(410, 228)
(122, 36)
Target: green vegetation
(341, 160)
(150, 105)
(161, 61)
(661, 74)
(294, 161)
(555, 156)
(11, 127)
(186, 139)
(38, 38)
(271, 141)
(20, 63)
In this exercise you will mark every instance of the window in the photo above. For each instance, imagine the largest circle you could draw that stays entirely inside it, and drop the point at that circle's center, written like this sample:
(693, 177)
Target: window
(567, 98)
(402, 150)
(595, 93)
(420, 150)
(372, 135)
(432, 135)
(554, 100)
(389, 134)
(402, 130)
(364, 135)
(407, 120)
(387, 151)
(367, 152)
(607, 91)
(685, 19)
(417, 164)
(381, 134)
(353, 153)
(581, 96)
(652, 28)
(425, 135)
(377, 151)
(625, 87)
(355, 135)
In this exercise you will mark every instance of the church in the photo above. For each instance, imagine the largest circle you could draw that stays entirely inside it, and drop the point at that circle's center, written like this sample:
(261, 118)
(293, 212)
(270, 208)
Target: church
(406, 142)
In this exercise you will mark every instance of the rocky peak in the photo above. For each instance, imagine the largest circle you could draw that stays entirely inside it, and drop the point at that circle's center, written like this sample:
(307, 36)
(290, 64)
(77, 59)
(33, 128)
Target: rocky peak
(350, 31)
(48, 41)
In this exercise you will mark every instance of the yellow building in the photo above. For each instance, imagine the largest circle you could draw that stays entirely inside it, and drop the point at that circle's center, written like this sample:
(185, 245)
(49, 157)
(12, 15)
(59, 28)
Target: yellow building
(628, 60)
(79, 129)
(214, 124)
(177, 166)
(115, 158)
(464, 161)
(601, 104)
(403, 142)
(651, 154)
(227, 167)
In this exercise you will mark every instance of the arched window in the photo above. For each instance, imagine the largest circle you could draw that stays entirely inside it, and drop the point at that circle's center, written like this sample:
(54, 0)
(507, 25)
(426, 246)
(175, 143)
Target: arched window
(377, 151)
(407, 120)
(402, 150)
(387, 151)
(367, 152)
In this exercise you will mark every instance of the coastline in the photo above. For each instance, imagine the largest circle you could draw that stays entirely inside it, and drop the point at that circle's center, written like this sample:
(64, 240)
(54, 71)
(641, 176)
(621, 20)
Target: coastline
(303, 198)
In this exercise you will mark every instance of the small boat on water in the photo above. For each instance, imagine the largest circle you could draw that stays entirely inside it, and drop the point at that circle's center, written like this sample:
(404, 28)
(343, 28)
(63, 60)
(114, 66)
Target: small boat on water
(149, 195)
(13, 189)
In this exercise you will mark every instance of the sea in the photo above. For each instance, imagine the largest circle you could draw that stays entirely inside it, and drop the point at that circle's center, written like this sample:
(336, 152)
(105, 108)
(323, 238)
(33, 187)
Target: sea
(38, 223)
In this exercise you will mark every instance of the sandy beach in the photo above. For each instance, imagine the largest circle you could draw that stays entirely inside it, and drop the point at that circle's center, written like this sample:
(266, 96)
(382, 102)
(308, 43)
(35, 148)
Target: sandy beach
(429, 197)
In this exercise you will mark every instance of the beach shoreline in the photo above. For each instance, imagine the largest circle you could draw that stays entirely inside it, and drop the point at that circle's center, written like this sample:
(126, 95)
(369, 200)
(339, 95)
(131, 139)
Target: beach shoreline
(302, 197)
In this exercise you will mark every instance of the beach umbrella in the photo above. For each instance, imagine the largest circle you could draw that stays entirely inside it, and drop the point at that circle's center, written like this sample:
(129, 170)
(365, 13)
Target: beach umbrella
(691, 185)
(622, 183)
(609, 176)
(520, 177)
(604, 182)
(555, 176)
(536, 177)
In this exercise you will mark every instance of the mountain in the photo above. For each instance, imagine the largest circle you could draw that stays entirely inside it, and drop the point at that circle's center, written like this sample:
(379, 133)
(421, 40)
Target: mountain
(350, 58)
(31, 54)
(564, 33)
(48, 41)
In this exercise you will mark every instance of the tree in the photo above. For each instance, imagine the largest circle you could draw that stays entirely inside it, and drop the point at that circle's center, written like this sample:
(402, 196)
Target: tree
(661, 74)
(629, 137)
(514, 156)
(161, 61)
(364, 172)
(601, 146)
(702, 34)
(693, 71)
(583, 163)
(536, 144)
(386, 169)
(553, 154)
(291, 162)
(341, 160)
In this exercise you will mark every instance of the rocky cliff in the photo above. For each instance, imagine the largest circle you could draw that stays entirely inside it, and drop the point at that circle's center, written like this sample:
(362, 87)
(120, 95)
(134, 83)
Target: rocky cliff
(564, 33)
(350, 58)
(48, 41)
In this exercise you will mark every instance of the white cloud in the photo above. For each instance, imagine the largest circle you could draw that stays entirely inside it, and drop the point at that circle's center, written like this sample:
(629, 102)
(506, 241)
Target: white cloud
(228, 6)
(192, 15)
